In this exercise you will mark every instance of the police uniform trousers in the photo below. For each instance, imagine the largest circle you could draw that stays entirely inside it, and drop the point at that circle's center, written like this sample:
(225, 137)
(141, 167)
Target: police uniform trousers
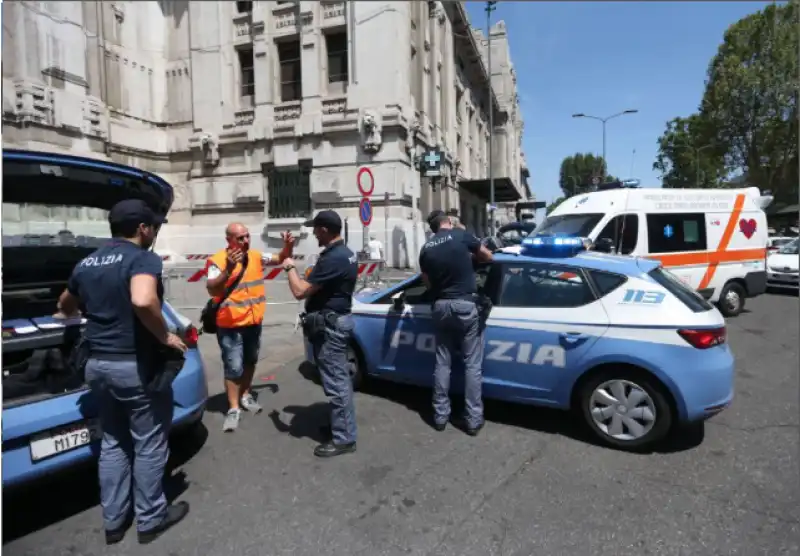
(457, 327)
(134, 449)
(330, 345)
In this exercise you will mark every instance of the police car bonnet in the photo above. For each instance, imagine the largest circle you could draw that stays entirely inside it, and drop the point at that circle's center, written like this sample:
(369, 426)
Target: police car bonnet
(55, 212)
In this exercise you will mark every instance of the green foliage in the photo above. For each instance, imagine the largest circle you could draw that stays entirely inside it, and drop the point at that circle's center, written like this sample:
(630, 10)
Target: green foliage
(749, 111)
(687, 155)
(578, 171)
(552, 206)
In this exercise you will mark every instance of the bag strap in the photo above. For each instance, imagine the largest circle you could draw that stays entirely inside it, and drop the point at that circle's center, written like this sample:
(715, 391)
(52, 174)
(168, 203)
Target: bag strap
(235, 283)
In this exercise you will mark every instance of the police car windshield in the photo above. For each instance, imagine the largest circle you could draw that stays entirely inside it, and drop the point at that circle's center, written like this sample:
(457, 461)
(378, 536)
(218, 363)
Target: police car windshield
(790, 248)
(36, 224)
(579, 225)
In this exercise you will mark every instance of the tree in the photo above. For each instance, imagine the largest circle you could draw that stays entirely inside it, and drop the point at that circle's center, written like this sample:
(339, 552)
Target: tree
(552, 206)
(578, 172)
(749, 110)
(687, 155)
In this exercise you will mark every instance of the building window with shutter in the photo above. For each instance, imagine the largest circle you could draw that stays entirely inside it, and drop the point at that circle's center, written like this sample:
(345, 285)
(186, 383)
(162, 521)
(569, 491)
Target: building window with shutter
(289, 192)
(244, 7)
(338, 76)
(291, 77)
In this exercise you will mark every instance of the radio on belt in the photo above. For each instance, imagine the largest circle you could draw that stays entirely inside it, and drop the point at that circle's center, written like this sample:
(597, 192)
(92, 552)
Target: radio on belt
(554, 246)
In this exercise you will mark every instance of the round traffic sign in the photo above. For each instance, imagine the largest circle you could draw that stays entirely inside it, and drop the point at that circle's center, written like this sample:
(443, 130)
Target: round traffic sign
(365, 211)
(359, 177)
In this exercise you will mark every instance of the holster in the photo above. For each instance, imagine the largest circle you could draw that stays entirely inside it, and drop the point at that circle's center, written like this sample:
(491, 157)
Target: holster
(314, 324)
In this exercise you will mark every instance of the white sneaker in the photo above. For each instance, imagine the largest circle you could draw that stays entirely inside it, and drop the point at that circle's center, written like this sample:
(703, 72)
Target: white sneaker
(232, 420)
(250, 404)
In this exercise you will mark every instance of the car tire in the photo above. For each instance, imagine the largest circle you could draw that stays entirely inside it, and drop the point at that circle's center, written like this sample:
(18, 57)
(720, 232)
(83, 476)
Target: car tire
(356, 366)
(599, 414)
(731, 300)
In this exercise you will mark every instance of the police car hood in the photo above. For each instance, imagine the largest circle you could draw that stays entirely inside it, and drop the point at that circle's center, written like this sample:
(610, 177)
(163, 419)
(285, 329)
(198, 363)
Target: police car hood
(54, 214)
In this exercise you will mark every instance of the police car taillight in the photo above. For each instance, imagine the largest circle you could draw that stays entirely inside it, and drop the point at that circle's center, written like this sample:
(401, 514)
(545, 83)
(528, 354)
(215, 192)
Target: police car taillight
(705, 338)
(553, 246)
(190, 336)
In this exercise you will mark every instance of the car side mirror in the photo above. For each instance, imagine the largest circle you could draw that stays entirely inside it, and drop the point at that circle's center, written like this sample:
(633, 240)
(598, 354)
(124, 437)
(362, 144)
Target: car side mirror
(399, 301)
(604, 245)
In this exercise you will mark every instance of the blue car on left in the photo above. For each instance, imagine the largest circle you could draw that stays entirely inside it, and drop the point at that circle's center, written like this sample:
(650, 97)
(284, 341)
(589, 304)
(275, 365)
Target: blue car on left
(55, 210)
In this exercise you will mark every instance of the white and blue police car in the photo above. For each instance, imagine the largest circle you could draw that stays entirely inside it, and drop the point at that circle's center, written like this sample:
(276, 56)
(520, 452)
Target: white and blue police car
(617, 339)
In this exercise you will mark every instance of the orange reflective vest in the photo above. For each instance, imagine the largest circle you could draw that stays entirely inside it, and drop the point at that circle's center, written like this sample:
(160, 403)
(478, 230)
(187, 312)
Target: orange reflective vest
(246, 304)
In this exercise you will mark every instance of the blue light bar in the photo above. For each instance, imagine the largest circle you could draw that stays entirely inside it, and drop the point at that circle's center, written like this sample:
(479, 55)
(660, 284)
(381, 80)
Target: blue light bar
(553, 246)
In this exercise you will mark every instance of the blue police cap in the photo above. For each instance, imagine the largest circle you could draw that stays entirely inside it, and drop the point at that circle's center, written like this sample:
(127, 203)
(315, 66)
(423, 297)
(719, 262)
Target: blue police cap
(134, 211)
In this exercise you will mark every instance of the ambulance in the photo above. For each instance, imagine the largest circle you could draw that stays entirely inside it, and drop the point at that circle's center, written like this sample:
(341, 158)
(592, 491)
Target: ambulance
(714, 240)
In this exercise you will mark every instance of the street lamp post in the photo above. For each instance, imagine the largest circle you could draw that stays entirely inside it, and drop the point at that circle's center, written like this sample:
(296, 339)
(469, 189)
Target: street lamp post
(603, 121)
(490, 7)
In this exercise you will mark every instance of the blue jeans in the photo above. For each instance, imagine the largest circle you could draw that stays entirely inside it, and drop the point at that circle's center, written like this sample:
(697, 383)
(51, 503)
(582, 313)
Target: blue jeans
(135, 426)
(457, 325)
(330, 353)
(239, 347)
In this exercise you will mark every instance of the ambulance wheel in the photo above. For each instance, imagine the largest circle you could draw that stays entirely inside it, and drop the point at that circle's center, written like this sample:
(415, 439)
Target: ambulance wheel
(355, 366)
(625, 408)
(731, 300)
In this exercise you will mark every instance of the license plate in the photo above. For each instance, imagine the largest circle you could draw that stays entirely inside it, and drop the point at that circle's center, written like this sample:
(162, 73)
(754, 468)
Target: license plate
(63, 439)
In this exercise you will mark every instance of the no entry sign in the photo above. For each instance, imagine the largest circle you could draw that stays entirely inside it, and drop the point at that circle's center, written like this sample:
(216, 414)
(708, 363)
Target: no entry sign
(365, 211)
(365, 181)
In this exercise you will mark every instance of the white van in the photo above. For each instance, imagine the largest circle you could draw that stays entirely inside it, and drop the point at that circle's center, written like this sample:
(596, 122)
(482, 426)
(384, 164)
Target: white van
(714, 240)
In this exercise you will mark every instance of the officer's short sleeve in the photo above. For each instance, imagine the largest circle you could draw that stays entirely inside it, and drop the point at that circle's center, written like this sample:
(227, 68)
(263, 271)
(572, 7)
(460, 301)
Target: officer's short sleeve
(472, 242)
(325, 270)
(147, 263)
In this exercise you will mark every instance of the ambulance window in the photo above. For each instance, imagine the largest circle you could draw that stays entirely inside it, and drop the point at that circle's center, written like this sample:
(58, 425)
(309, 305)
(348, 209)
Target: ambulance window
(673, 233)
(570, 224)
(543, 285)
(624, 229)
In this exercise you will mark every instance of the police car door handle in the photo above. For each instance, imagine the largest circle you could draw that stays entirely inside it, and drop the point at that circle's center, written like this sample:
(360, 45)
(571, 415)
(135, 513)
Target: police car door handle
(572, 337)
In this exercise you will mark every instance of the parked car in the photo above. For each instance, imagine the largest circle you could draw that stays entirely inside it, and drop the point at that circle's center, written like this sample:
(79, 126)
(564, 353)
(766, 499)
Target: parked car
(776, 242)
(619, 340)
(783, 267)
(55, 211)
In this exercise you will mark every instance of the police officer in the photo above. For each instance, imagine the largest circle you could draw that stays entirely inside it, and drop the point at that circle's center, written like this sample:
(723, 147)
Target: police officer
(328, 324)
(119, 289)
(446, 264)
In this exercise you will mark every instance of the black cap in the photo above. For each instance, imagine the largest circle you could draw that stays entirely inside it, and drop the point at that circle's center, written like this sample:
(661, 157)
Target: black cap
(134, 211)
(326, 219)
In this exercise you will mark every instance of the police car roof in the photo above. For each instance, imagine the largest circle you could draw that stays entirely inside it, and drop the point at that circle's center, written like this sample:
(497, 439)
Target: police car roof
(619, 264)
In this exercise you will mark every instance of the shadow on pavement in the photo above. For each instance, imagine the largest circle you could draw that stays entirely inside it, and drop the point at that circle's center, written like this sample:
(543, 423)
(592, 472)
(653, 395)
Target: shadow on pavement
(306, 421)
(218, 403)
(545, 420)
(53, 499)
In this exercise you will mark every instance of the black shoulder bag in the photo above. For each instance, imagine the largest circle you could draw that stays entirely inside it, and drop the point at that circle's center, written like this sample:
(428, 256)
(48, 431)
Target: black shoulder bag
(208, 317)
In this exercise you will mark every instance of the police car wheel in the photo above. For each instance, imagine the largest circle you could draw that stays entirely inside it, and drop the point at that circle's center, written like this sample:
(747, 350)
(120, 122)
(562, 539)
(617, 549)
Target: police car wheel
(355, 367)
(625, 409)
(731, 300)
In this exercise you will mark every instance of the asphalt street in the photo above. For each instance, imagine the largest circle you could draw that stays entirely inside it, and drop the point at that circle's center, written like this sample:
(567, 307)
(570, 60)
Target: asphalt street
(530, 484)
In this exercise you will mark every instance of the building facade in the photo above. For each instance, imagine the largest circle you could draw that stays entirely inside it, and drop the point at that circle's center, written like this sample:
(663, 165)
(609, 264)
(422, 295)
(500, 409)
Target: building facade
(264, 112)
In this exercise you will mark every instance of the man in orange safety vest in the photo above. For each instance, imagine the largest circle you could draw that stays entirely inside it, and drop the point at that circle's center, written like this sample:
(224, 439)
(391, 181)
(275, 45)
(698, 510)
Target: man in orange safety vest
(240, 269)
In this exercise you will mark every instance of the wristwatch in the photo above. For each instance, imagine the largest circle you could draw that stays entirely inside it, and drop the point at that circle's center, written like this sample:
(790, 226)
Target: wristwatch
(288, 268)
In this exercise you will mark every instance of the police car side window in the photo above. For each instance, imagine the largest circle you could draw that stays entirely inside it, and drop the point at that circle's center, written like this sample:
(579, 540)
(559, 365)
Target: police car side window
(676, 232)
(606, 282)
(543, 285)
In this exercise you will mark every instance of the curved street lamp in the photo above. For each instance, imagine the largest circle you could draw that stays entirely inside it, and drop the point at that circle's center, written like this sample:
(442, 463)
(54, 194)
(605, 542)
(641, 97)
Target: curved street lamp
(604, 120)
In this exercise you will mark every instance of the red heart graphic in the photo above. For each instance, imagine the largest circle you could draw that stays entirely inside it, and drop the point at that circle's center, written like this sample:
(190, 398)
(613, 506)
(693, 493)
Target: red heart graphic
(747, 227)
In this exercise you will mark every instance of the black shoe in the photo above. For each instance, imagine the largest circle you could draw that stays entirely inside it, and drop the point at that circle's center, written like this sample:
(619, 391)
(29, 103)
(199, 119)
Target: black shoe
(329, 449)
(116, 535)
(439, 426)
(474, 431)
(175, 513)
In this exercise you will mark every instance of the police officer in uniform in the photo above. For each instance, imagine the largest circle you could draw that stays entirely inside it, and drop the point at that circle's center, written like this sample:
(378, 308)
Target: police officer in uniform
(446, 262)
(328, 324)
(119, 290)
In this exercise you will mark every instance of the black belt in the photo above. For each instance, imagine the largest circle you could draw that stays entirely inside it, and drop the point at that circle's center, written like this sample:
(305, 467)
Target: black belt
(107, 356)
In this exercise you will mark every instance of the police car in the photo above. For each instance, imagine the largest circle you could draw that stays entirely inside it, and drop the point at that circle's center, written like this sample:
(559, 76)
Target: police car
(618, 339)
(55, 213)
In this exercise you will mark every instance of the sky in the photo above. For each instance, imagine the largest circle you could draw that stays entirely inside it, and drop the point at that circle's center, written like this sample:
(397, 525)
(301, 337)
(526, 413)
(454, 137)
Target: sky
(600, 58)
